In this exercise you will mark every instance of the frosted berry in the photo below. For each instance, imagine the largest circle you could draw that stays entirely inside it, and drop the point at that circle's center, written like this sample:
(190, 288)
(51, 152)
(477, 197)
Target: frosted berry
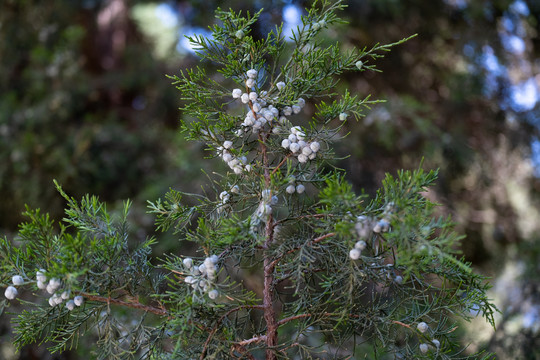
(17, 280)
(424, 348)
(302, 158)
(40, 276)
(188, 263)
(11, 293)
(236, 93)
(354, 254)
(360, 245)
(250, 83)
(251, 73)
(300, 188)
(422, 327)
(78, 300)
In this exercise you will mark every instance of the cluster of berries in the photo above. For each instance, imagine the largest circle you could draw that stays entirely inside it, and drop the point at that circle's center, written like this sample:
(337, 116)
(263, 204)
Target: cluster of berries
(51, 287)
(424, 348)
(236, 163)
(292, 187)
(202, 277)
(261, 112)
(296, 143)
(265, 206)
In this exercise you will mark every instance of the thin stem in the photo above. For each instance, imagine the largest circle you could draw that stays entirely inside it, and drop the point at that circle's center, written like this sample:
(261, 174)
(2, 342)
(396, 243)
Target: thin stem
(254, 339)
(131, 304)
(281, 163)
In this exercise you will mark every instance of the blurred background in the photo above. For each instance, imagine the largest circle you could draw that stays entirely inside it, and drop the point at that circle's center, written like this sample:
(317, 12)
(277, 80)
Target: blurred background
(84, 99)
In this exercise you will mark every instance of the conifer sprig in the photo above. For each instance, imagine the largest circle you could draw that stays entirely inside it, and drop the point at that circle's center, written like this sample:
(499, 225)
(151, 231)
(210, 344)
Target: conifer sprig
(292, 263)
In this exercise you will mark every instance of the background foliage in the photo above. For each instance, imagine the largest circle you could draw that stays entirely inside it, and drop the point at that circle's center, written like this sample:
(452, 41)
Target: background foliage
(85, 101)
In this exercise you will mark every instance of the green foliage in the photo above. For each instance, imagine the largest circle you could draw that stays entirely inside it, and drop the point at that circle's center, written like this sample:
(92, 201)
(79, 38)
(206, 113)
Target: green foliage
(359, 275)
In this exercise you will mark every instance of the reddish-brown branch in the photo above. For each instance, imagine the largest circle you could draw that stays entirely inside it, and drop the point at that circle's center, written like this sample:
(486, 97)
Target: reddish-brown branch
(268, 287)
(215, 328)
(134, 304)
(281, 163)
(402, 324)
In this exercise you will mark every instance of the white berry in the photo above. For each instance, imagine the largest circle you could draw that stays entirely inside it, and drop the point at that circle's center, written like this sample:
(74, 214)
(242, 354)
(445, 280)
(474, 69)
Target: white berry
(287, 111)
(251, 73)
(244, 98)
(315, 146)
(294, 147)
(424, 348)
(343, 116)
(422, 327)
(290, 189)
(250, 83)
(354, 254)
(40, 276)
(239, 34)
(359, 64)
(436, 343)
(17, 280)
(302, 158)
(188, 262)
(70, 305)
(11, 293)
(360, 245)
(213, 294)
(236, 93)
(300, 188)
(78, 300)
(280, 85)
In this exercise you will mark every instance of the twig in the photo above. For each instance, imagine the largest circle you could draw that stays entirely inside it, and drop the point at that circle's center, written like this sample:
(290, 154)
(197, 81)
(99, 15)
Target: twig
(214, 329)
(254, 339)
(131, 304)
(402, 324)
